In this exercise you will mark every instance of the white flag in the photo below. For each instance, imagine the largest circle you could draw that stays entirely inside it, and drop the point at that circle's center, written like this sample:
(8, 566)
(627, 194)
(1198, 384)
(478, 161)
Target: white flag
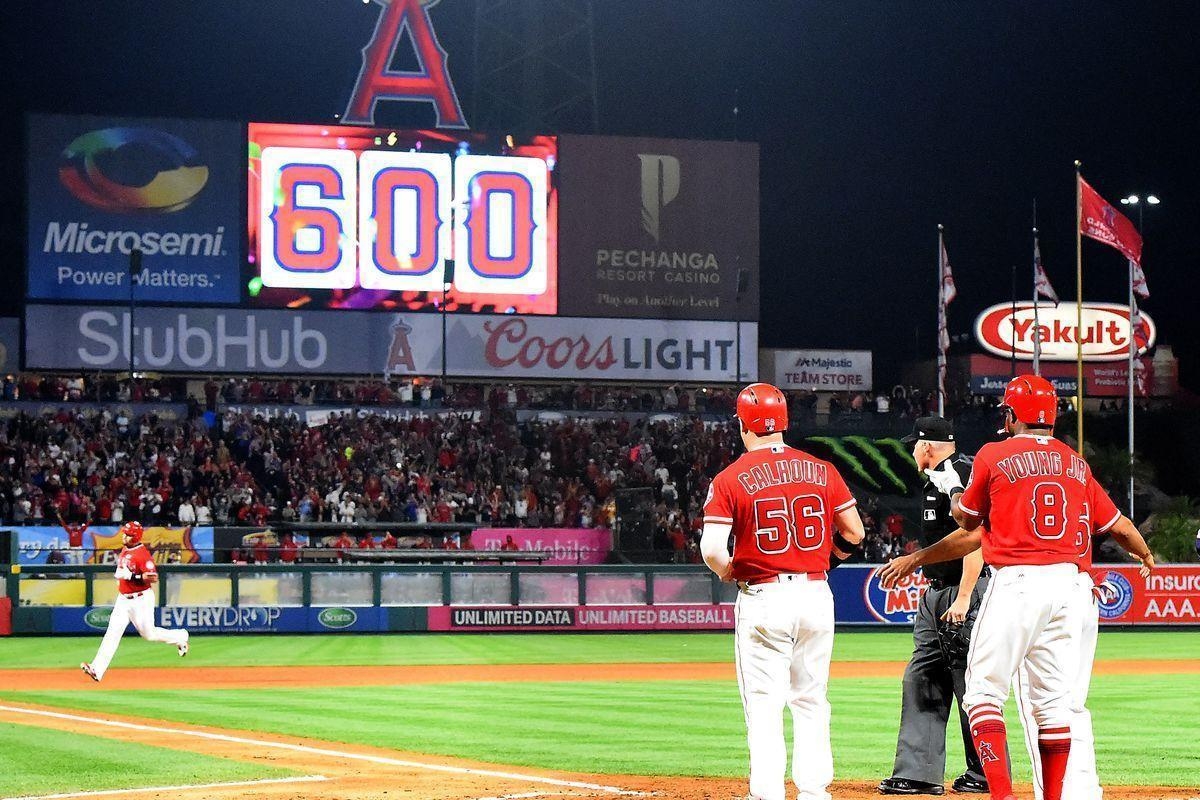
(1042, 283)
(1139, 280)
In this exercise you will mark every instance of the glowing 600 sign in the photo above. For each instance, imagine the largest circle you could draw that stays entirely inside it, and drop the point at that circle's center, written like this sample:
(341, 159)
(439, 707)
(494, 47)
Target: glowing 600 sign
(334, 219)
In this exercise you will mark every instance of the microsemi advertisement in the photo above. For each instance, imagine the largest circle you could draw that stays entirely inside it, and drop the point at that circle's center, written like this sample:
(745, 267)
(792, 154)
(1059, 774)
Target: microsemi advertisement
(101, 187)
(99, 544)
(365, 218)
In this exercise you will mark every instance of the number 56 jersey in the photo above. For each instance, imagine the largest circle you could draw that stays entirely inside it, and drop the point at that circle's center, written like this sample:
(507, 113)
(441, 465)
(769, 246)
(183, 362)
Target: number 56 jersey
(1040, 500)
(781, 503)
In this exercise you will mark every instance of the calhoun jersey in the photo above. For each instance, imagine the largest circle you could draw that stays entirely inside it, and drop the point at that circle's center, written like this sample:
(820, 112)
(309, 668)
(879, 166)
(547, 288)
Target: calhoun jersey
(781, 503)
(1041, 502)
(137, 560)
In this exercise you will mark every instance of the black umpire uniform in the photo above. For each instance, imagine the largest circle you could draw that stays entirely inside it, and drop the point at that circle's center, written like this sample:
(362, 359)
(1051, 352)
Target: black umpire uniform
(936, 674)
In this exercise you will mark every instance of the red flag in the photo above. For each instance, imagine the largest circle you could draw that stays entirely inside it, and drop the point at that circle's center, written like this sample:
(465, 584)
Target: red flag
(1139, 280)
(1100, 221)
(1141, 331)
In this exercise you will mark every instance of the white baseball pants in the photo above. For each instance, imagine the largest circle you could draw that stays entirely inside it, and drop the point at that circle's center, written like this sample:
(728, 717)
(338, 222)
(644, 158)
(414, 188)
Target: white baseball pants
(138, 609)
(783, 643)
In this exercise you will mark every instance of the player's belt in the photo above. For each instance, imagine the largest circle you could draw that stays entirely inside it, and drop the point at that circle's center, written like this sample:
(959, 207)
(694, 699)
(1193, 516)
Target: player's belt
(132, 595)
(786, 577)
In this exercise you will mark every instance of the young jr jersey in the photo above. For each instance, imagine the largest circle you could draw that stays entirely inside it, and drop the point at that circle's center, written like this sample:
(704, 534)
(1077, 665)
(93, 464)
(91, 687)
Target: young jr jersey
(136, 559)
(1040, 500)
(781, 503)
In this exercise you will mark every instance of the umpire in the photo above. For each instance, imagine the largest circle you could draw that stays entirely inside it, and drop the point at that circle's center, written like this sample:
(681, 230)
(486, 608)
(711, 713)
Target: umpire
(936, 674)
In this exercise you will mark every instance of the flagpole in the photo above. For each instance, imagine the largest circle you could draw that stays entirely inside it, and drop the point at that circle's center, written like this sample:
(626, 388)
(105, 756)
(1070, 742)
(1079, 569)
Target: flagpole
(1037, 336)
(1078, 308)
(941, 357)
(1132, 356)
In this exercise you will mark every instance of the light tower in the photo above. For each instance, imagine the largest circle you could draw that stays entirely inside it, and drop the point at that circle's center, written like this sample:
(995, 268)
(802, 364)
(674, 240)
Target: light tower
(535, 66)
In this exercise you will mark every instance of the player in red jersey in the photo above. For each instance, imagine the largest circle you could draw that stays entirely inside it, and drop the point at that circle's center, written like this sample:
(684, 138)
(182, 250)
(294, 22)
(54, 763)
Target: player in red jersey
(135, 575)
(790, 515)
(1042, 506)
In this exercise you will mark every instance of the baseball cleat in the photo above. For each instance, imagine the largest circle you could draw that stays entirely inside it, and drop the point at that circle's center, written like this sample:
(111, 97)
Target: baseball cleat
(91, 673)
(183, 649)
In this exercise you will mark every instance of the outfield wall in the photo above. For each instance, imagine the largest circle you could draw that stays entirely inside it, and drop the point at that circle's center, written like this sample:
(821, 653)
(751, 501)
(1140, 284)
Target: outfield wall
(212, 598)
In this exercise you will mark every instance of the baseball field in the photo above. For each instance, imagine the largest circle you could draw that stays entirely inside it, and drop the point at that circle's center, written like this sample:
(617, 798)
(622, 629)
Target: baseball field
(474, 717)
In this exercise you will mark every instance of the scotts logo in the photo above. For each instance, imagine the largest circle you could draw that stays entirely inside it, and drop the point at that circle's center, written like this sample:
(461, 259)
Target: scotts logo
(337, 617)
(132, 171)
(1105, 332)
(897, 605)
(1116, 604)
(429, 83)
(97, 618)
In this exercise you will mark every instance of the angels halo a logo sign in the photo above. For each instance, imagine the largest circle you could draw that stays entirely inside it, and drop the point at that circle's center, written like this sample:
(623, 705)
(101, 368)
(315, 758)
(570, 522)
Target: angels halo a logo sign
(1105, 331)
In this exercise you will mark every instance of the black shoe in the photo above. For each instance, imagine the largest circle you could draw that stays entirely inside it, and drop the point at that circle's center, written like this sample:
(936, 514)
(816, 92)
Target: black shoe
(965, 784)
(906, 786)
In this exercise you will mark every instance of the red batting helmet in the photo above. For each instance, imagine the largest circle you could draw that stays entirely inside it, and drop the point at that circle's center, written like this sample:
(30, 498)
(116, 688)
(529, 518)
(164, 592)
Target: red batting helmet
(133, 530)
(762, 409)
(1032, 399)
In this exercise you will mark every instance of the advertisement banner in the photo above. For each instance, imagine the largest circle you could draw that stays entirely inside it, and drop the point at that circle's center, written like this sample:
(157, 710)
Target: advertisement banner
(575, 348)
(37, 408)
(568, 545)
(658, 228)
(1105, 333)
(820, 370)
(10, 344)
(362, 343)
(101, 187)
(1152, 377)
(227, 619)
(1170, 596)
(99, 544)
(582, 618)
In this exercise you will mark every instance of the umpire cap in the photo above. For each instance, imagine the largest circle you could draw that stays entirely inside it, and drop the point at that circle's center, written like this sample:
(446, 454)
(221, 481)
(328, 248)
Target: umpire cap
(931, 429)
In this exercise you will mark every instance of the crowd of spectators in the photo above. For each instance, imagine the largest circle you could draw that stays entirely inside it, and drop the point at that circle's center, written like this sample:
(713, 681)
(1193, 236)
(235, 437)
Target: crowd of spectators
(485, 470)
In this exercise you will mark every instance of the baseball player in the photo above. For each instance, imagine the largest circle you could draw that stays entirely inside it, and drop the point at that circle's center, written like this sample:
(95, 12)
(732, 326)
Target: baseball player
(1082, 781)
(1042, 505)
(135, 575)
(936, 674)
(791, 517)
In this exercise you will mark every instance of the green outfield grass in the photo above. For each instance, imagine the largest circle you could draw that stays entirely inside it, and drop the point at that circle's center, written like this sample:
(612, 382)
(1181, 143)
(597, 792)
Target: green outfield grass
(416, 649)
(35, 760)
(1145, 725)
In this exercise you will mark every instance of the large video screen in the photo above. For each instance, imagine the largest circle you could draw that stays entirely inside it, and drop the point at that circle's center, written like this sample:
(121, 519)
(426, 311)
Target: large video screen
(366, 218)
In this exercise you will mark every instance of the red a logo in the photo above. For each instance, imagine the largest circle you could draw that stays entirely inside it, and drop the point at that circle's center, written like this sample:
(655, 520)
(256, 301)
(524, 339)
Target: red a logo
(429, 84)
(986, 754)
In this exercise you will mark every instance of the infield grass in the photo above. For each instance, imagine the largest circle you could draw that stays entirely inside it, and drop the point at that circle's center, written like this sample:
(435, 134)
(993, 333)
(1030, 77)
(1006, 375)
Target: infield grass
(37, 760)
(497, 648)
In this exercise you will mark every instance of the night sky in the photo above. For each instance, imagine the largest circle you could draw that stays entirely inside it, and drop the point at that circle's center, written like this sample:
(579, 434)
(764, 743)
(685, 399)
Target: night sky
(877, 121)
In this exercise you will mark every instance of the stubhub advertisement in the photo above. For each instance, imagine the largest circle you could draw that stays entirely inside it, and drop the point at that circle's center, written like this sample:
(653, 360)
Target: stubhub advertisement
(102, 187)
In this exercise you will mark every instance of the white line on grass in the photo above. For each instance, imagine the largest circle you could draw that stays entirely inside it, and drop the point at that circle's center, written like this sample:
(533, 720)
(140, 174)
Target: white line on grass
(320, 751)
(180, 787)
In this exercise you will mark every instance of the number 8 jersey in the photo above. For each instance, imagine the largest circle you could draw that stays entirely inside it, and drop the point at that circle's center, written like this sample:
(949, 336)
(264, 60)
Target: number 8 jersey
(1040, 500)
(781, 503)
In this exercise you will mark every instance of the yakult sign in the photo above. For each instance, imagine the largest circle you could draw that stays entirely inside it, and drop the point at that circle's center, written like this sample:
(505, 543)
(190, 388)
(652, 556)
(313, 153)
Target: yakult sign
(1105, 332)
